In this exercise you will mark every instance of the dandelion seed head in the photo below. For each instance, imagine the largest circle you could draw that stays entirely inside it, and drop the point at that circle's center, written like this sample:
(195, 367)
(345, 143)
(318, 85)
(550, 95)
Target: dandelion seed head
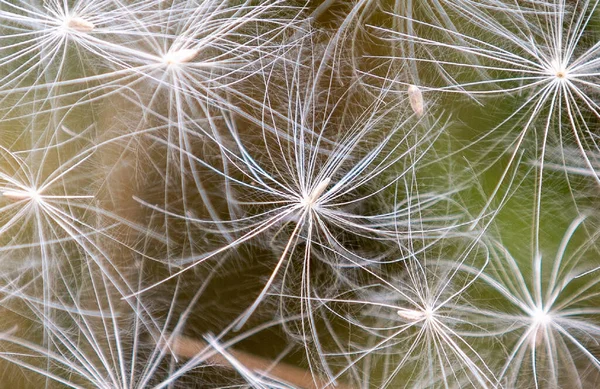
(178, 57)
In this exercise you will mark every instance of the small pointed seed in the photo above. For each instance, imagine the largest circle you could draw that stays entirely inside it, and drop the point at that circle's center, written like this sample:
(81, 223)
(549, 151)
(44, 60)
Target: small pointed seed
(180, 56)
(539, 336)
(17, 194)
(410, 314)
(416, 100)
(319, 189)
(80, 25)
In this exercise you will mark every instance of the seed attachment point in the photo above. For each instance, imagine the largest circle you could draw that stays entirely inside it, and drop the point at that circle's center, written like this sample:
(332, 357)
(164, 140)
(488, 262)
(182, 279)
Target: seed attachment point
(559, 70)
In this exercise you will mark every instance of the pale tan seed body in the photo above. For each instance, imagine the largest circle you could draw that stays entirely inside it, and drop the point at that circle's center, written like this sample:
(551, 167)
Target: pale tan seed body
(19, 195)
(80, 25)
(318, 191)
(410, 314)
(180, 56)
(416, 100)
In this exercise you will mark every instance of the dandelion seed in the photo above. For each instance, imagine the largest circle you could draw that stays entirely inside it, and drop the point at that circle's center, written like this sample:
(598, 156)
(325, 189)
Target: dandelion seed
(179, 57)
(78, 24)
(36, 37)
(416, 100)
(542, 320)
(306, 189)
(312, 198)
(110, 345)
(414, 315)
(538, 51)
(418, 325)
(552, 325)
(21, 195)
(539, 336)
